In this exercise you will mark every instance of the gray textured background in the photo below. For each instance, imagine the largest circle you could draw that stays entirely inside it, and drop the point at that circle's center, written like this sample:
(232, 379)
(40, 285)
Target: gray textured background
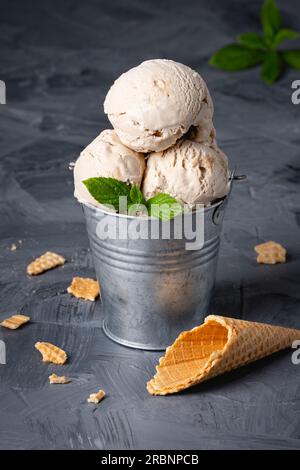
(58, 62)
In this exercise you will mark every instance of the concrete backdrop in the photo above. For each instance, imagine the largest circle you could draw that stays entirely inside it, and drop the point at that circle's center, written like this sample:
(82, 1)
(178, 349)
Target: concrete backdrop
(58, 60)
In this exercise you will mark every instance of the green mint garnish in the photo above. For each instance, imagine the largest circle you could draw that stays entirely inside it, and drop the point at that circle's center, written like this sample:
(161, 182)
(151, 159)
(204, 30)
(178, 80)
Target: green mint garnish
(108, 190)
(253, 48)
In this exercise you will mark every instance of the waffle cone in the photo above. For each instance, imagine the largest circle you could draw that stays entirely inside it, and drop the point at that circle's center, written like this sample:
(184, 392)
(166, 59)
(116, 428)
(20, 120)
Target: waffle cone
(219, 345)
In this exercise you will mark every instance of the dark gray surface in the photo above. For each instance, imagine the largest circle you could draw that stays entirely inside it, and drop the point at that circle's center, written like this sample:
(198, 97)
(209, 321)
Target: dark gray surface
(58, 62)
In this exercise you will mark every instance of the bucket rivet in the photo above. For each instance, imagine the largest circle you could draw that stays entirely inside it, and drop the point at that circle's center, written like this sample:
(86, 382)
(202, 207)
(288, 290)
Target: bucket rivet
(218, 215)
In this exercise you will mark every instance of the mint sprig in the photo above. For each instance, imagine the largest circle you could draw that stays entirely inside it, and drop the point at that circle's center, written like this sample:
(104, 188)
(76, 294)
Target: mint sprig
(253, 48)
(107, 191)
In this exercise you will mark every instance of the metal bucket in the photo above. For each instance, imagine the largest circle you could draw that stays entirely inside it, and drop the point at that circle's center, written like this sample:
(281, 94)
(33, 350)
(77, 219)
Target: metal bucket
(153, 289)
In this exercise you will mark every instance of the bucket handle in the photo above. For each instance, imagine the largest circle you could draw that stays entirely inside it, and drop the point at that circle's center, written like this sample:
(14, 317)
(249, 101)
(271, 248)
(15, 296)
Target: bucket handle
(239, 177)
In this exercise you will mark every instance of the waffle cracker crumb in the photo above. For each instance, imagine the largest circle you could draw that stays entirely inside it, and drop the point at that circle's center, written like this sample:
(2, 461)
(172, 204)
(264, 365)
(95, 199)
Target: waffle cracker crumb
(84, 288)
(45, 262)
(59, 379)
(51, 353)
(15, 321)
(270, 253)
(96, 397)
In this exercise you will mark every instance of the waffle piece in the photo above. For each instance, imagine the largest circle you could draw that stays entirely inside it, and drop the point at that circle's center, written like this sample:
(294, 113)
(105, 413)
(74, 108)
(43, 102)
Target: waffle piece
(15, 321)
(59, 379)
(51, 353)
(84, 288)
(270, 253)
(45, 262)
(96, 397)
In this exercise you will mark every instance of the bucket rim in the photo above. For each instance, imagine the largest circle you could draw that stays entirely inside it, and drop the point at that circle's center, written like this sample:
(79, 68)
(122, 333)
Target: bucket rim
(101, 211)
(213, 206)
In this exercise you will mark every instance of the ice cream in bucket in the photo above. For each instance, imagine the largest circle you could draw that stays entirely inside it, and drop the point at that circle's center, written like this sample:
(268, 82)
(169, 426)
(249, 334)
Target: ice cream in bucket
(156, 274)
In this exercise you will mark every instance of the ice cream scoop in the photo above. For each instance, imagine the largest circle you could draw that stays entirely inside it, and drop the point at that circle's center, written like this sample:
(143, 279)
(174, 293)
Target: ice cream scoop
(107, 156)
(154, 104)
(192, 172)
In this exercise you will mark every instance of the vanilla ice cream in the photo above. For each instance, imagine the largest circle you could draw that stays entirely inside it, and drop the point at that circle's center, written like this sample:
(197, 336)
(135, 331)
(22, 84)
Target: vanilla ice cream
(151, 106)
(107, 156)
(192, 172)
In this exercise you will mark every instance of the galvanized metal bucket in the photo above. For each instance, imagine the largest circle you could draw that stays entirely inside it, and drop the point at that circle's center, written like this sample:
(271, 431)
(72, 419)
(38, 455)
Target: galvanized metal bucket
(153, 289)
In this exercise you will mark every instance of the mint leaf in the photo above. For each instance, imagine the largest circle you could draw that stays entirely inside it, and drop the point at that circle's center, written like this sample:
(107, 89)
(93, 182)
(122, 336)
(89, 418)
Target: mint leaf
(251, 40)
(163, 206)
(272, 67)
(271, 20)
(292, 58)
(107, 190)
(136, 196)
(235, 57)
(284, 35)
